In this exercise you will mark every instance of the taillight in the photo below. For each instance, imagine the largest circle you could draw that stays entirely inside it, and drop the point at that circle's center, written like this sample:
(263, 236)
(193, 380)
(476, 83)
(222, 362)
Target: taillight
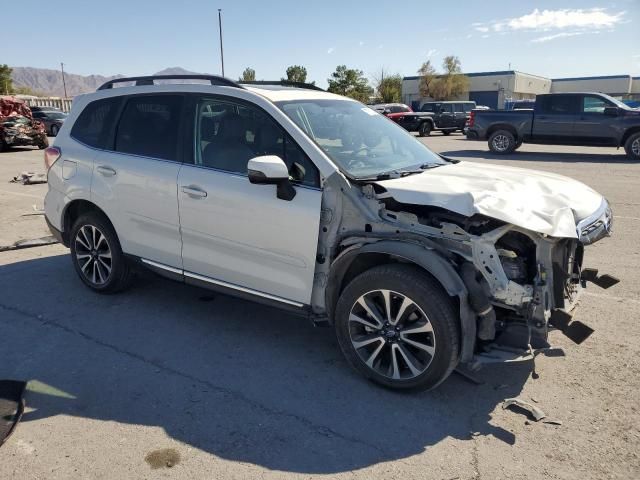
(472, 116)
(51, 154)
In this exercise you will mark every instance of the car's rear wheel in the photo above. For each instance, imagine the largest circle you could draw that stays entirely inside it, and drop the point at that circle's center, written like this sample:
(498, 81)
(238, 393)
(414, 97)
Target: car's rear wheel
(54, 130)
(397, 327)
(425, 129)
(502, 141)
(97, 255)
(632, 146)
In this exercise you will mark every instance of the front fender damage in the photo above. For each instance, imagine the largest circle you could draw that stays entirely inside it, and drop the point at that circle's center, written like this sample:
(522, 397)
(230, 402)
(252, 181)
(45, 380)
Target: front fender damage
(507, 281)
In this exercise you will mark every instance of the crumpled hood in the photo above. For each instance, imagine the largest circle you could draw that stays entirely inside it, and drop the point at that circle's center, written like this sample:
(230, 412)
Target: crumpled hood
(539, 201)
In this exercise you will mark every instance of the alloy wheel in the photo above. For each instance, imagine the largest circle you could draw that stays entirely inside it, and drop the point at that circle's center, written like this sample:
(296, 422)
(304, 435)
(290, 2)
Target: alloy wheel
(93, 254)
(391, 334)
(501, 143)
(635, 147)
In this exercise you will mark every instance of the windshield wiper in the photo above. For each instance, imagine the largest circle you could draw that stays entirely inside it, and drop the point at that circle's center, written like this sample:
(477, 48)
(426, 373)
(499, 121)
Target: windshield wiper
(401, 172)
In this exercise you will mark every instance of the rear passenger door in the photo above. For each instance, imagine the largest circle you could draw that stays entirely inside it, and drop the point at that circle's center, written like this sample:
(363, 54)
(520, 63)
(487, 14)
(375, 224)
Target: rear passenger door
(239, 235)
(554, 118)
(459, 115)
(446, 118)
(135, 177)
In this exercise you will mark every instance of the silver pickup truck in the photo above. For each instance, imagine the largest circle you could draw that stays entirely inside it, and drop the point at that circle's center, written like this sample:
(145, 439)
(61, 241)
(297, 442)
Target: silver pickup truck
(587, 119)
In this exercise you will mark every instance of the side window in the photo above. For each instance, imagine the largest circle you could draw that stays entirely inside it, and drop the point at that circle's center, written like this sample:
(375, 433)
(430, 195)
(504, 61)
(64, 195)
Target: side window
(558, 104)
(447, 108)
(228, 135)
(593, 104)
(149, 126)
(458, 107)
(93, 125)
(427, 107)
(468, 107)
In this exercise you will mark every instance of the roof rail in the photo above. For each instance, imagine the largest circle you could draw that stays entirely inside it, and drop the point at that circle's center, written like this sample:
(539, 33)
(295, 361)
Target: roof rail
(149, 80)
(283, 83)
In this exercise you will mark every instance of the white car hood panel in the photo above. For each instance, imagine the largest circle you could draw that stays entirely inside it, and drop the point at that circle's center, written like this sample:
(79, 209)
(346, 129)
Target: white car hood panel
(539, 201)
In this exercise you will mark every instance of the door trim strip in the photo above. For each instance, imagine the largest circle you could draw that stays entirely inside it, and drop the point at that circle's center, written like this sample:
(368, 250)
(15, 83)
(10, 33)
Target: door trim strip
(221, 283)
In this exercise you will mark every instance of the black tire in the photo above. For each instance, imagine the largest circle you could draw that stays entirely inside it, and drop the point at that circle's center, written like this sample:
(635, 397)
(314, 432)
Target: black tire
(430, 306)
(3, 145)
(54, 130)
(446, 132)
(502, 142)
(98, 273)
(424, 130)
(518, 144)
(632, 146)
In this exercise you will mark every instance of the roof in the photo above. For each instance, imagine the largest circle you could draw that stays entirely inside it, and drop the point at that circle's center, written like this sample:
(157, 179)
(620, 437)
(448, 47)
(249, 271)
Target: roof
(486, 74)
(602, 77)
(277, 93)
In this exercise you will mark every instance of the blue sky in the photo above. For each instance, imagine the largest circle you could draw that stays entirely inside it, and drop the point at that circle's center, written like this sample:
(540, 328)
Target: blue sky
(549, 38)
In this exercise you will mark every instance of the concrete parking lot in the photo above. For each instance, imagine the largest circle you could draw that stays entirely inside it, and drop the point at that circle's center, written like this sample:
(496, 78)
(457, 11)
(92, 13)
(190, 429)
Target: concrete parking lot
(223, 388)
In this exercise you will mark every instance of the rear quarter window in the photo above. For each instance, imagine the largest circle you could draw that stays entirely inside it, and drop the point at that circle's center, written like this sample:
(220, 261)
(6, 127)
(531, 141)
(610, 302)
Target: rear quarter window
(93, 125)
(149, 126)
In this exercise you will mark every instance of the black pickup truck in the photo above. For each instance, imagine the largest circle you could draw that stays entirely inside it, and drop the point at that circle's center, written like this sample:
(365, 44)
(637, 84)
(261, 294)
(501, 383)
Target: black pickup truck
(446, 117)
(586, 119)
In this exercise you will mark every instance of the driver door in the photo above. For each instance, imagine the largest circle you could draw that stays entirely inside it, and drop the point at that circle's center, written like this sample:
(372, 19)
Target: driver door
(240, 235)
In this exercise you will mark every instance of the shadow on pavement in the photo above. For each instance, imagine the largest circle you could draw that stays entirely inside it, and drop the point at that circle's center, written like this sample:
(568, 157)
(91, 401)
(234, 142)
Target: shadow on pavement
(565, 157)
(235, 379)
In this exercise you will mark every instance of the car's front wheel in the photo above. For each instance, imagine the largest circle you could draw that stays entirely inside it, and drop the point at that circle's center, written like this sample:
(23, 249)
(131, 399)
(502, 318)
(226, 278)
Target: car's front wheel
(632, 146)
(397, 327)
(502, 141)
(97, 256)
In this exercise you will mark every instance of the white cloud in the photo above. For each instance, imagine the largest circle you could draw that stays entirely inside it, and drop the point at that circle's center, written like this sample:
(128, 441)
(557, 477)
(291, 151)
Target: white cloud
(548, 38)
(330, 50)
(361, 43)
(431, 52)
(576, 20)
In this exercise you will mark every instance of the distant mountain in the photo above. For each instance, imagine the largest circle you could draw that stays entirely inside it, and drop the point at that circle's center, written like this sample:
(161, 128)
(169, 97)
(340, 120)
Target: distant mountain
(49, 82)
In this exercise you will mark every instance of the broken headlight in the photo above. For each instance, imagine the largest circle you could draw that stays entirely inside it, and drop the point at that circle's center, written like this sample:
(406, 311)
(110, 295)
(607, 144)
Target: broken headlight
(597, 225)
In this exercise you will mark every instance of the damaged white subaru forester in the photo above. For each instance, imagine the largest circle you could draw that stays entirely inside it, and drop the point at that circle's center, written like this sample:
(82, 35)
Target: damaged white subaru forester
(292, 196)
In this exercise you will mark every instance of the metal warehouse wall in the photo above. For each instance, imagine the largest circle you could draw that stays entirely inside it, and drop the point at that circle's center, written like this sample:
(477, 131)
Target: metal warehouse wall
(613, 85)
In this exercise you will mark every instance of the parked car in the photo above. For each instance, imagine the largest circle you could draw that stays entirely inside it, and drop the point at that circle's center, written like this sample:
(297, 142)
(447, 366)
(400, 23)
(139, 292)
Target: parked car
(52, 120)
(587, 119)
(44, 109)
(17, 126)
(391, 110)
(316, 204)
(446, 117)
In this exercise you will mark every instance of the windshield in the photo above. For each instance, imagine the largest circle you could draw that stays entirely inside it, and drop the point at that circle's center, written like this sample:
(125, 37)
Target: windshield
(359, 140)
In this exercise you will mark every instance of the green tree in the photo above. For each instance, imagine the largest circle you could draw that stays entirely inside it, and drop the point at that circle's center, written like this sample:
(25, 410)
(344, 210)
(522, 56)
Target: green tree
(350, 83)
(388, 87)
(249, 75)
(6, 84)
(428, 78)
(296, 73)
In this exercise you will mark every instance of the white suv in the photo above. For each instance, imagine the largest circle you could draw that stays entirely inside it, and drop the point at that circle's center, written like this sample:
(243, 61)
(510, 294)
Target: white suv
(318, 204)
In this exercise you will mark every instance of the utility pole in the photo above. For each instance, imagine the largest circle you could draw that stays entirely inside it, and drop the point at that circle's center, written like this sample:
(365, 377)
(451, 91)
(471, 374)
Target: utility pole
(64, 84)
(220, 29)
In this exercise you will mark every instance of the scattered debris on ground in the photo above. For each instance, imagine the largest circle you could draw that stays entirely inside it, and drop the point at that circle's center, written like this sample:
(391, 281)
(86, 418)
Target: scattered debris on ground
(536, 413)
(29, 178)
(33, 242)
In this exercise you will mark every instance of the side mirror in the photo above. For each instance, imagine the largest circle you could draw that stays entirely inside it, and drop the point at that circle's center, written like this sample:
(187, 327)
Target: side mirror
(611, 111)
(271, 170)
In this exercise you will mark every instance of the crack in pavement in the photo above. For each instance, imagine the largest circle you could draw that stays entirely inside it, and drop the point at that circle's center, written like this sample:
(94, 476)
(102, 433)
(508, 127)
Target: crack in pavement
(315, 428)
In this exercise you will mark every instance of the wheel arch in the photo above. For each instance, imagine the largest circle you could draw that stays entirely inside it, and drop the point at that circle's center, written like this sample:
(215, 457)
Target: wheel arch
(503, 126)
(358, 259)
(72, 212)
(627, 134)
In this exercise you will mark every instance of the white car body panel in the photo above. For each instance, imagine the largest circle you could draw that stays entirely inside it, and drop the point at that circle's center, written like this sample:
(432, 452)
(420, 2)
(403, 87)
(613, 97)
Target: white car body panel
(242, 234)
(538, 201)
(141, 202)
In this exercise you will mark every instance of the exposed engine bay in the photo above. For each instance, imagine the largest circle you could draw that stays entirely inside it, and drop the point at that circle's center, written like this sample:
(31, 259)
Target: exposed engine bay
(514, 282)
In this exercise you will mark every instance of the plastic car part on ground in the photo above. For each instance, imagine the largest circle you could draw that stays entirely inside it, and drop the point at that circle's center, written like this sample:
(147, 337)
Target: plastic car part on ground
(29, 178)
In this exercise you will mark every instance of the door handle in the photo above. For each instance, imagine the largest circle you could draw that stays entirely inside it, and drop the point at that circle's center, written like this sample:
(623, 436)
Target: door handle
(194, 191)
(105, 171)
